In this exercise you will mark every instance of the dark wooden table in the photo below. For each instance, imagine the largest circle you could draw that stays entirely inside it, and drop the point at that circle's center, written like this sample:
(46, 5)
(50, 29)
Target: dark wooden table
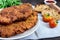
(34, 2)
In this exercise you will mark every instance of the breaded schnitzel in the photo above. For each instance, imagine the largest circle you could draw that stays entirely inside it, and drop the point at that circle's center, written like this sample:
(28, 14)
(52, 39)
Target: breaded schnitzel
(11, 14)
(18, 27)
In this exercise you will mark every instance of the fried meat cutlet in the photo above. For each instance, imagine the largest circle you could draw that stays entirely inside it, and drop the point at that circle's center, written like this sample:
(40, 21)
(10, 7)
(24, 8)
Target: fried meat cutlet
(18, 27)
(11, 14)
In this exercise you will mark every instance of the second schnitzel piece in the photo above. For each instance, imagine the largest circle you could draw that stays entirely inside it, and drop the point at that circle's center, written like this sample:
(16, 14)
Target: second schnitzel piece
(19, 27)
(11, 14)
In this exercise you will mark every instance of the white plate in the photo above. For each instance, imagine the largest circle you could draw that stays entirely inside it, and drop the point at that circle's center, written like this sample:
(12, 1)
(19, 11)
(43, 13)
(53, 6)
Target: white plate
(44, 31)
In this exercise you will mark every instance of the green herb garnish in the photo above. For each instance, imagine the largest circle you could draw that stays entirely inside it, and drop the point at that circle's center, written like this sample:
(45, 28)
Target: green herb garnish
(8, 3)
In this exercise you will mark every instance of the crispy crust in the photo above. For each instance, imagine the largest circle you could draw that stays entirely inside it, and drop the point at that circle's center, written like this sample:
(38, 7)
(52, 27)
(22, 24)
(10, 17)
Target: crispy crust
(11, 14)
(18, 27)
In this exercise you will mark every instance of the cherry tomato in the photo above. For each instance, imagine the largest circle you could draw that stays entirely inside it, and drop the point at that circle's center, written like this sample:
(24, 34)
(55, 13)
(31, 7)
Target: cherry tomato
(53, 23)
(47, 18)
